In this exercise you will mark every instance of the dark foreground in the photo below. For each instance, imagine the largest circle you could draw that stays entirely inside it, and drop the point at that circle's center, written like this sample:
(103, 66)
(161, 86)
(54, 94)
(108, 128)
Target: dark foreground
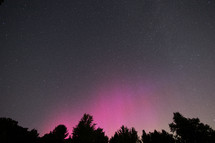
(183, 130)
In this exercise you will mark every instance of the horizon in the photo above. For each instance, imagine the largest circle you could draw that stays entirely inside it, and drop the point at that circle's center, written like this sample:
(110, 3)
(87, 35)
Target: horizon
(125, 62)
(139, 133)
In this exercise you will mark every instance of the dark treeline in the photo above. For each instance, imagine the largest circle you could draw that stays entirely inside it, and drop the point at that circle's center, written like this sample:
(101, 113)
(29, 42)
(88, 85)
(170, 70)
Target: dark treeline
(183, 130)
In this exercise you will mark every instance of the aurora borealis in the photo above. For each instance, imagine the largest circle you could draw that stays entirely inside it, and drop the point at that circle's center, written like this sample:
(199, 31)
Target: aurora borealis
(125, 62)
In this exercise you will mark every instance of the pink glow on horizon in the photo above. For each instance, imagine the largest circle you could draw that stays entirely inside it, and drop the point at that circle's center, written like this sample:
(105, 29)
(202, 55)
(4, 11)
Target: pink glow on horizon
(118, 104)
(114, 104)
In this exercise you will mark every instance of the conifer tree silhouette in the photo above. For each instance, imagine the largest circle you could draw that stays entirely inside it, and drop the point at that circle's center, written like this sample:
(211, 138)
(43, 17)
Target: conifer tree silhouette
(85, 132)
(125, 135)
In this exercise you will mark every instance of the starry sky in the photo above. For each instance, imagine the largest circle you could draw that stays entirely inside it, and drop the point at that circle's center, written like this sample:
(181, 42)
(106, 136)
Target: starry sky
(126, 62)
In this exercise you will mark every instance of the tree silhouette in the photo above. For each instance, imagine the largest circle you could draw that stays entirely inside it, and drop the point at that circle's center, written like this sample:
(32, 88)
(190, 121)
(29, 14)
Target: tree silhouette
(68, 140)
(48, 138)
(191, 130)
(157, 137)
(125, 135)
(100, 136)
(185, 130)
(85, 132)
(11, 132)
(60, 132)
(58, 135)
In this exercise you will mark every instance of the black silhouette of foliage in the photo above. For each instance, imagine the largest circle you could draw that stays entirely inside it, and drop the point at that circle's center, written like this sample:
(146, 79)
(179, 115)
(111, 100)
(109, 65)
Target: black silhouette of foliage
(191, 130)
(185, 130)
(125, 135)
(48, 138)
(11, 132)
(60, 132)
(85, 132)
(157, 137)
(58, 135)
(100, 136)
(68, 140)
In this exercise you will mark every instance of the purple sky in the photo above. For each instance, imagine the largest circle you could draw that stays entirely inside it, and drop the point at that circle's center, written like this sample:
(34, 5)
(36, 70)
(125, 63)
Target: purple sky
(129, 63)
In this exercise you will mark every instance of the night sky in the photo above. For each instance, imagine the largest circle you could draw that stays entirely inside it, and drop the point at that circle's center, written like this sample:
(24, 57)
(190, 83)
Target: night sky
(126, 62)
